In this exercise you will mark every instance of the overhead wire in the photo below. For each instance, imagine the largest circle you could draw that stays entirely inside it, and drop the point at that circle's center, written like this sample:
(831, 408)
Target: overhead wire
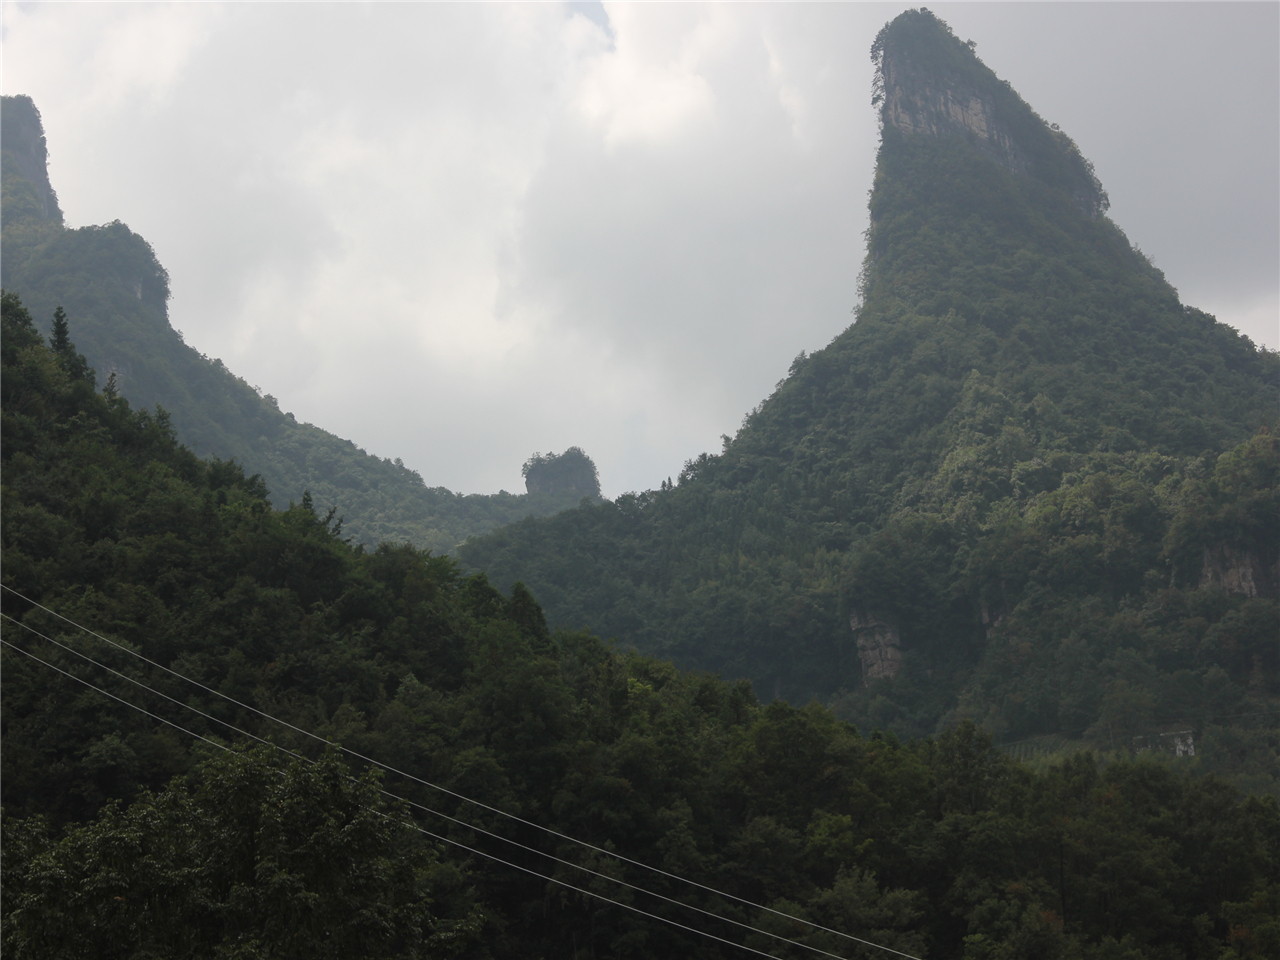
(28, 653)
(458, 844)
(414, 826)
(410, 824)
(139, 683)
(627, 906)
(452, 793)
(447, 791)
(412, 803)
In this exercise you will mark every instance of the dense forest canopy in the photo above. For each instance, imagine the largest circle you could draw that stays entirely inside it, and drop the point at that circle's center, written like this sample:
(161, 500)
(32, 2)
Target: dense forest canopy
(132, 835)
(108, 278)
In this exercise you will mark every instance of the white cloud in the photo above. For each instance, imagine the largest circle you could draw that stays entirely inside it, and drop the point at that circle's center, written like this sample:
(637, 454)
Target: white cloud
(118, 54)
(646, 88)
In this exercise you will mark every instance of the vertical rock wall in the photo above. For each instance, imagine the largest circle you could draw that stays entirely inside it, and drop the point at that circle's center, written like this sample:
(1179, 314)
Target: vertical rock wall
(916, 102)
(879, 645)
(1238, 572)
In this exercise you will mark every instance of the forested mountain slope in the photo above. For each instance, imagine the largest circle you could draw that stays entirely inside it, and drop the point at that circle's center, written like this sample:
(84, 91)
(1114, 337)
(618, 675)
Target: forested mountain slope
(116, 293)
(1027, 486)
(126, 839)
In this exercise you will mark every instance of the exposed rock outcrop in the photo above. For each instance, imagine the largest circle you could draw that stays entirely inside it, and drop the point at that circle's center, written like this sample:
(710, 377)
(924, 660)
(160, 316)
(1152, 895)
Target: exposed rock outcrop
(1238, 572)
(917, 102)
(928, 83)
(879, 645)
(992, 618)
(1175, 743)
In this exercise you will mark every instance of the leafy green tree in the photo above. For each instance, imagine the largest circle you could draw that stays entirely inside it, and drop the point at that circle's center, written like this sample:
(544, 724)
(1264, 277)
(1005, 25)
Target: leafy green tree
(572, 471)
(245, 859)
(1057, 480)
(60, 341)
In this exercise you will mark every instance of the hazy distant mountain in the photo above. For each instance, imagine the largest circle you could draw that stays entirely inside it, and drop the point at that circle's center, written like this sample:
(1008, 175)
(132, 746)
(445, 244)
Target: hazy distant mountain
(1027, 485)
(115, 294)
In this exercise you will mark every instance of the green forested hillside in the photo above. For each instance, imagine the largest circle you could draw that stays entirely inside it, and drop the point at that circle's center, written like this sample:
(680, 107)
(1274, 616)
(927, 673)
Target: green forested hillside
(116, 294)
(127, 838)
(1028, 486)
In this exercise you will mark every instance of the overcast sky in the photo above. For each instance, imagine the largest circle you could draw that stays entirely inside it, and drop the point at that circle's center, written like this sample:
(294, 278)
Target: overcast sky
(458, 234)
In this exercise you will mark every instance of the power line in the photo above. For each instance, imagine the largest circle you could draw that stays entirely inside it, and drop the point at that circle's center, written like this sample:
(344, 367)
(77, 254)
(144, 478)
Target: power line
(426, 809)
(447, 791)
(452, 793)
(139, 683)
(441, 838)
(27, 653)
(627, 906)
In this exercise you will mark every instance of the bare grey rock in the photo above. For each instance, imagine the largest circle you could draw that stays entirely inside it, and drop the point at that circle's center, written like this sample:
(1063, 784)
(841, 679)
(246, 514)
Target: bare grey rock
(879, 645)
(1238, 572)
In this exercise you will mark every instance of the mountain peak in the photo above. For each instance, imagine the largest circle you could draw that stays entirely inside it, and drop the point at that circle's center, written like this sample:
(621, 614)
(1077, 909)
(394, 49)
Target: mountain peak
(929, 82)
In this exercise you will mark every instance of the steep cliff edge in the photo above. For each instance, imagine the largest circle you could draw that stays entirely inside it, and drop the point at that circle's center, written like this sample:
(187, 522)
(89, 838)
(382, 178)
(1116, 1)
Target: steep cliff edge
(571, 472)
(927, 82)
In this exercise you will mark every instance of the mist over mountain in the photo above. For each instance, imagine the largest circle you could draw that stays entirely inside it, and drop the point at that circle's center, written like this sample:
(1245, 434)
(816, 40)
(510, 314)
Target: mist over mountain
(1027, 486)
(116, 293)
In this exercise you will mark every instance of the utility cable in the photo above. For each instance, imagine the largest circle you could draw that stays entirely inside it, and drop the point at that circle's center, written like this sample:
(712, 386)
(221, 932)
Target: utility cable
(439, 837)
(27, 653)
(434, 812)
(627, 906)
(452, 793)
(139, 683)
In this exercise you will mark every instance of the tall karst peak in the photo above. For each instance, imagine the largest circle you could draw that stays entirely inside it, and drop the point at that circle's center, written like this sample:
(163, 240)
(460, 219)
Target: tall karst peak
(929, 82)
(909, 505)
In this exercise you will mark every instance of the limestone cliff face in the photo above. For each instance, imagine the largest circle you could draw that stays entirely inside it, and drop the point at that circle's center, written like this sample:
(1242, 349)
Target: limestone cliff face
(879, 645)
(930, 83)
(992, 618)
(26, 156)
(917, 102)
(1238, 572)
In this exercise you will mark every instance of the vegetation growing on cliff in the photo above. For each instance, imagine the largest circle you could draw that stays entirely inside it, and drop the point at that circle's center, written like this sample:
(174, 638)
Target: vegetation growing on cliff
(571, 472)
(1051, 487)
(1004, 457)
